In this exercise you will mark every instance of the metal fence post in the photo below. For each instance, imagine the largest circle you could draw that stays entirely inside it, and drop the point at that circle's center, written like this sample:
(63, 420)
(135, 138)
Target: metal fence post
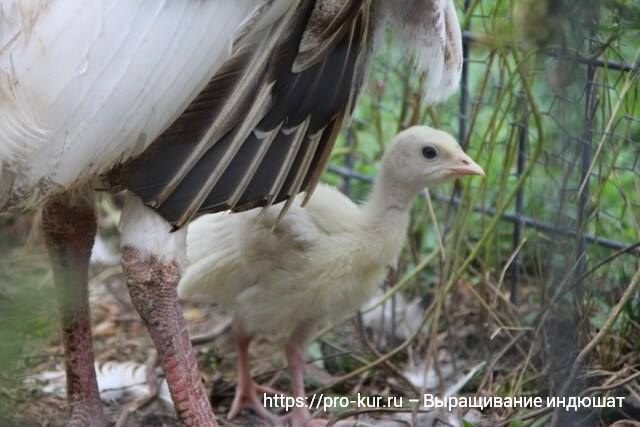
(585, 165)
(464, 85)
(348, 163)
(521, 159)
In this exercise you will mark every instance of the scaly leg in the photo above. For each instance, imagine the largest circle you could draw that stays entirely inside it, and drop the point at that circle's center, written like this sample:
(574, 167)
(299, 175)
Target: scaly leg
(69, 227)
(151, 260)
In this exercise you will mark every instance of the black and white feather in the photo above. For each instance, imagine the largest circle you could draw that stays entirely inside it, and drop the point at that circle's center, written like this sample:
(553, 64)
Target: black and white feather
(262, 129)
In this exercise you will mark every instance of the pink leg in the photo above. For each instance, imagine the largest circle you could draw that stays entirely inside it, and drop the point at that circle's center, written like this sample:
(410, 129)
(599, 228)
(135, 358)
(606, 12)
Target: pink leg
(152, 286)
(69, 229)
(298, 417)
(247, 390)
(301, 417)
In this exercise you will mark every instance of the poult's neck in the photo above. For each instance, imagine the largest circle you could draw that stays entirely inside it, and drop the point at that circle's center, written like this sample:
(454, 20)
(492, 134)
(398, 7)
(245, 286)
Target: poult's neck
(387, 207)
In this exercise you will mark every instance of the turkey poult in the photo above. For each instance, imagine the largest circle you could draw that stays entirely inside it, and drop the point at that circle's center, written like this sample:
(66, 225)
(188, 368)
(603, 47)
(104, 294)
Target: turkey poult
(283, 279)
(193, 106)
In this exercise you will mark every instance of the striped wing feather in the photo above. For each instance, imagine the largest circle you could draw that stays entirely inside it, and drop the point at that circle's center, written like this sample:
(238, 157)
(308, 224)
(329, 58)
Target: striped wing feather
(262, 129)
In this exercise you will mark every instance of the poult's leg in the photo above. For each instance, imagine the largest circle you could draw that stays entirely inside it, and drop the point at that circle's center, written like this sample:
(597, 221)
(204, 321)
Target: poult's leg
(151, 259)
(69, 227)
(301, 417)
(298, 417)
(247, 390)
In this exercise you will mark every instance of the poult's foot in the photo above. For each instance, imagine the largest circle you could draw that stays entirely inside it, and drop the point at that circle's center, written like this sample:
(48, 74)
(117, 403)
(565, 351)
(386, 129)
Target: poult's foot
(265, 389)
(248, 398)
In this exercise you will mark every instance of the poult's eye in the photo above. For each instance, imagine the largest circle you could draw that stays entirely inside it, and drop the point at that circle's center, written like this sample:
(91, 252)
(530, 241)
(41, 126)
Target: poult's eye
(429, 152)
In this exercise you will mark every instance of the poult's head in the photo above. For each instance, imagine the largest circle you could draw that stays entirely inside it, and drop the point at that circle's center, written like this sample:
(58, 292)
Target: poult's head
(421, 156)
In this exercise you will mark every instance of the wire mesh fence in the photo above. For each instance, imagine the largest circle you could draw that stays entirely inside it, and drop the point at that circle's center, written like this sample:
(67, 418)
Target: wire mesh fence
(556, 224)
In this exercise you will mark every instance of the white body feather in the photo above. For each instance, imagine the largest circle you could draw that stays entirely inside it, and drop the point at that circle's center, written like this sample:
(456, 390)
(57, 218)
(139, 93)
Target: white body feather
(141, 228)
(321, 262)
(84, 84)
(116, 380)
(397, 319)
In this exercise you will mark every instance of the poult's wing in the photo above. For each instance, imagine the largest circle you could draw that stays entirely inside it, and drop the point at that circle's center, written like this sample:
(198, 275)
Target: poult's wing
(263, 128)
(215, 271)
(229, 253)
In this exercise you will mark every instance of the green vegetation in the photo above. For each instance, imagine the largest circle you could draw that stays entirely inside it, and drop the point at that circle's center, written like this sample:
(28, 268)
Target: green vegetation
(528, 73)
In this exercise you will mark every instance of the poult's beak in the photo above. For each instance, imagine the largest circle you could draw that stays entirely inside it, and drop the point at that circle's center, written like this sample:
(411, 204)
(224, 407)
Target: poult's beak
(466, 166)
